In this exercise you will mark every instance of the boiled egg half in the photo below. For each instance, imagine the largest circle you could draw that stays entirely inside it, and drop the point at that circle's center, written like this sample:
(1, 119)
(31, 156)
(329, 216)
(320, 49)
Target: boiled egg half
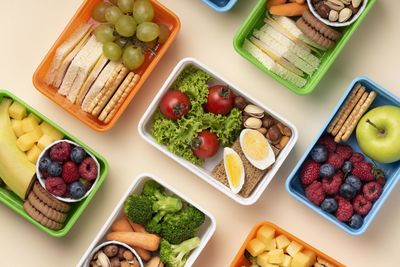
(234, 169)
(257, 149)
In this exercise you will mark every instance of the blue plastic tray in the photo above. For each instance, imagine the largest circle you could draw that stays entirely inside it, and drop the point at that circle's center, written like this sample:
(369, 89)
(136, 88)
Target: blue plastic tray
(392, 171)
(220, 5)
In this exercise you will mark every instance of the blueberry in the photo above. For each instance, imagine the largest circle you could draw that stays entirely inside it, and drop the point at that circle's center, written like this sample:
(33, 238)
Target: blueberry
(54, 169)
(78, 154)
(44, 164)
(354, 181)
(347, 167)
(77, 190)
(327, 170)
(329, 205)
(347, 191)
(319, 153)
(356, 221)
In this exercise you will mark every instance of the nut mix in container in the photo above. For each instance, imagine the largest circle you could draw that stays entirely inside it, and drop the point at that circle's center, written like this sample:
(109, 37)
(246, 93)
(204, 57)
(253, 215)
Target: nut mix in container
(337, 10)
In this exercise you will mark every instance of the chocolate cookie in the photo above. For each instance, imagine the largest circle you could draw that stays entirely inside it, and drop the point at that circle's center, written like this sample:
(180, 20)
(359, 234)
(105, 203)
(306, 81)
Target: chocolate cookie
(49, 200)
(39, 217)
(320, 27)
(313, 34)
(48, 211)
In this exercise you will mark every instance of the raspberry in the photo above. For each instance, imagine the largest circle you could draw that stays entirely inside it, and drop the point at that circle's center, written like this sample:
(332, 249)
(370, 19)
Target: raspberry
(60, 152)
(315, 193)
(363, 170)
(335, 160)
(344, 210)
(332, 185)
(328, 142)
(344, 151)
(356, 157)
(56, 186)
(372, 191)
(309, 172)
(361, 205)
(88, 169)
(70, 172)
(381, 180)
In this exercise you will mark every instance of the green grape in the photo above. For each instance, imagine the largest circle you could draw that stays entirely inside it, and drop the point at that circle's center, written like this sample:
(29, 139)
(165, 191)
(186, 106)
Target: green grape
(133, 57)
(121, 42)
(164, 33)
(126, 26)
(112, 14)
(114, 2)
(99, 11)
(112, 51)
(143, 11)
(126, 5)
(104, 33)
(147, 31)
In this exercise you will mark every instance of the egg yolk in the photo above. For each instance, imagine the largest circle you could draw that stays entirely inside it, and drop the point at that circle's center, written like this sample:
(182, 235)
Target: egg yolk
(255, 145)
(234, 169)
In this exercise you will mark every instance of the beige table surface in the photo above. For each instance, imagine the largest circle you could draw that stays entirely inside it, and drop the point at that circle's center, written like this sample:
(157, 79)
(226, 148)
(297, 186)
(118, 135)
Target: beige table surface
(29, 28)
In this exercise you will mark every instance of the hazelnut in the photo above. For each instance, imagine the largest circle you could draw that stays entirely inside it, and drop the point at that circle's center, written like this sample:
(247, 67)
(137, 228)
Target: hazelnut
(128, 255)
(121, 251)
(284, 130)
(323, 10)
(115, 262)
(262, 130)
(268, 121)
(240, 103)
(110, 250)
(274, 134)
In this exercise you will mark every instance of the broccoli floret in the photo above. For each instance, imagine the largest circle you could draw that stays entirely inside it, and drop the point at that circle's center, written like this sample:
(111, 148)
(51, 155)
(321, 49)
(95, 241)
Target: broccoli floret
(176, 255)
(154, 225)
(139, 208)
(180, 226)
(166, 203)
(150, 187)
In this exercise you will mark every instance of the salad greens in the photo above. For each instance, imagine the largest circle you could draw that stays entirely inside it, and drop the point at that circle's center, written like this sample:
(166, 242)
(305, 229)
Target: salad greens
(178, 135)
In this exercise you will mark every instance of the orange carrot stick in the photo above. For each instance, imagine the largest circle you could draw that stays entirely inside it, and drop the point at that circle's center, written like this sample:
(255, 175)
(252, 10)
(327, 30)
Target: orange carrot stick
(146, 241)
(143, 254)
(121, 225)
(289, 10)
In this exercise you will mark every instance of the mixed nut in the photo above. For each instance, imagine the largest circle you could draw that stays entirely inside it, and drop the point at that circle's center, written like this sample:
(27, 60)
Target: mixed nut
(337, 10)
(114, 256)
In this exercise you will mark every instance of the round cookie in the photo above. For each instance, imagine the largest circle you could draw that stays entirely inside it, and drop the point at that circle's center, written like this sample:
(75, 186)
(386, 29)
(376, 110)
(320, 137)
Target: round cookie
(320, 27)
(39, 217)
(49, 200)
(46, 210)
(313, 34)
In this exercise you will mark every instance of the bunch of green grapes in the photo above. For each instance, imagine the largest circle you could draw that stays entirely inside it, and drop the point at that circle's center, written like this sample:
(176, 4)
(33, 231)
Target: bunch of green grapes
(127, 23)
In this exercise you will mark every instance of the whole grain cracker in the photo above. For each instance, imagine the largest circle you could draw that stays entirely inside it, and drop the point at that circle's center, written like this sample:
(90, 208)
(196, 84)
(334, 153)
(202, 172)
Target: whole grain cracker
(46, 210)
(40, 218)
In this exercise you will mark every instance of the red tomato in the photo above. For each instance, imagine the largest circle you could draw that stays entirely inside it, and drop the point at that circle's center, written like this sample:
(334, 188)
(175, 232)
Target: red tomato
(205, 145)
(220, 100)
(174, 104)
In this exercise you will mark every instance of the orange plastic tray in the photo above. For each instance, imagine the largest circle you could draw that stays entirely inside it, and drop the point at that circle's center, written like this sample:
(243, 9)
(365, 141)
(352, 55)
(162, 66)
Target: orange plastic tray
(240, 260)
(162, 15)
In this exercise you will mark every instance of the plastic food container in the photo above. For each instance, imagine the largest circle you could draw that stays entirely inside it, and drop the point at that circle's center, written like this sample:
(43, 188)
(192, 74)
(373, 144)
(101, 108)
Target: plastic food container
(220, 5)
(240, 259)
(392, 171)
(255, 21)
(162, 15)
(205, 233)
(15, 203)
(204, 171)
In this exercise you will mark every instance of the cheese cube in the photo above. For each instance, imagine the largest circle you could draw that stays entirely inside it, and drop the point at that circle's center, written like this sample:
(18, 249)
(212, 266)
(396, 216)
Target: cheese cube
(300, 260)
(265, 233)
(270, 245)
(38, 120)
(255, 247)
(282, 241)
(25, 142)
(312, 256)
(262, 259)
(275, 256)
(293, 248)
(287, 260)
(33, 154)
(17, 127)
(49, 130)
(44, 141)
(17, 111)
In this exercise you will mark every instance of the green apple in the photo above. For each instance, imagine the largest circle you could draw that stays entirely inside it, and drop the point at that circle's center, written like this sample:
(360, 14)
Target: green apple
(378, 134)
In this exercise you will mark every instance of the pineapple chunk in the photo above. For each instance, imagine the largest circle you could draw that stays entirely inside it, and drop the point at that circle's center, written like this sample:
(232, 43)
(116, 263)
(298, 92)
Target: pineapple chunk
(33, 154)
(17, 127)
(293, 248)
(275, 256)
(255, 247)
(271, 245)
(36, 133)
(25, 142)
(300, 260)
(282, 241)
(49, 130)
(265, 233)
(38, 120)
(287, 260)
(44, 141)
(262, 259)
(311, 255)
(17, 111)
(29, 124)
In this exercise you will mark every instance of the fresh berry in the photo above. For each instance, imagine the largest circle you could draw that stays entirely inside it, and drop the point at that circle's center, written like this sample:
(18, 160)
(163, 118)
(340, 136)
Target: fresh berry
(354, 182)
(356, 157)
(309, 172)
(347, 166)
(44, 164)
(332, 185)
(326, 170)
(329, 205)
(347, 191)
(361, 205)
(76, 190)
(78, 154)
(319, 153)
(54, 169)
(70, 172)
(315, 193)
(344, 151)
(372, 191)
(344, 210)
(381, 180)
(56, 186)
(88, 169)
(356, 221)
(60, 152)
(363, 170)
(328, 142)
(335, 160)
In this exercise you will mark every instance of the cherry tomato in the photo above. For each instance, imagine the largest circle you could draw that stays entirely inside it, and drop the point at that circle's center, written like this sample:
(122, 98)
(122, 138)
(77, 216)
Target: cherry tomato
(174, 104)
(205, 145)
(220, 100)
